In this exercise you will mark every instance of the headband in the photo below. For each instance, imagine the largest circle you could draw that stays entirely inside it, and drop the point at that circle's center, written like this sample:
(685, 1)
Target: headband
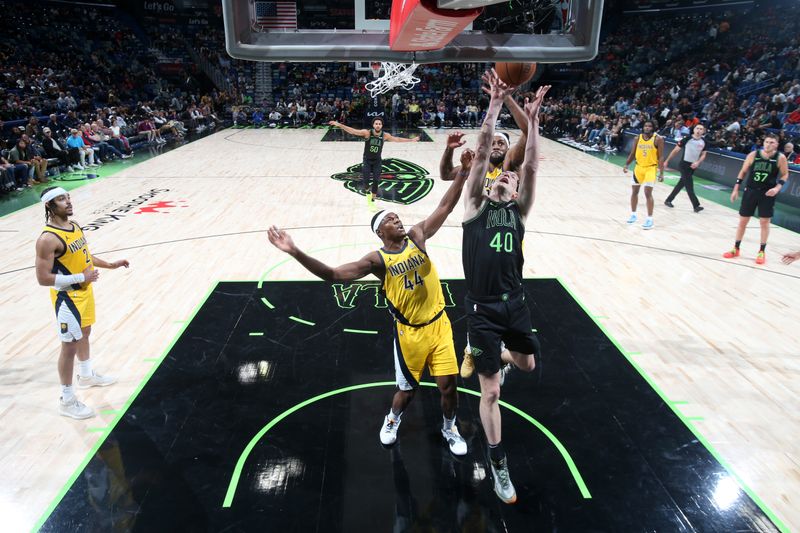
(504, 136)
(376, 222)
(53, 193)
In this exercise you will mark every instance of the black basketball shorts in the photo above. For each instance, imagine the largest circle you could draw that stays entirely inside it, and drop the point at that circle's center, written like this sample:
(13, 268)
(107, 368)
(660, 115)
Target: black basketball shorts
(490, 320)
(757, 198)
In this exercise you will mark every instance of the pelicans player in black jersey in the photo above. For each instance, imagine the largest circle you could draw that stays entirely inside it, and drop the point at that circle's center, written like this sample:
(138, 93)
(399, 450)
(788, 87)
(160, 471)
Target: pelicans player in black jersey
(64, 264)
(373, 149)
(494, 227)
(766, 171)
(423, 336)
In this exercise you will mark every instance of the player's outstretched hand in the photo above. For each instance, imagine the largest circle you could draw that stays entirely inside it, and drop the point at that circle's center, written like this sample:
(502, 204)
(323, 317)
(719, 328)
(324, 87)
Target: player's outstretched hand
(791, 258)
(415, 139)
(280, 239)
(466, 159)
(497, 89)
(120, 263)
(532, 106)
(455, 140)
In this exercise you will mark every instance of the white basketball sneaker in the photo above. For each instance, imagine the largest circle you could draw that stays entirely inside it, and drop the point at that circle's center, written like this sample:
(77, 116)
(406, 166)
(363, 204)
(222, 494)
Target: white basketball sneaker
(95, 380)
(74, 409)
(502, 481)
(457, 444)
(389, 430)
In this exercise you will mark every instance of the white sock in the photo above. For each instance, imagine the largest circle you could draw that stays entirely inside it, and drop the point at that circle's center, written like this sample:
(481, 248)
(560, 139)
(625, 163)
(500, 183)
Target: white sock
(650, 219)
(85, 368)
(67, 393)
(448, 423)
(395, 417)
(633, 213)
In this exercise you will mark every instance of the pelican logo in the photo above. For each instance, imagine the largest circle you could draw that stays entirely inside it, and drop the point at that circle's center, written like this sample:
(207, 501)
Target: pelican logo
(476, 352)
(401, 182)
(161, 207)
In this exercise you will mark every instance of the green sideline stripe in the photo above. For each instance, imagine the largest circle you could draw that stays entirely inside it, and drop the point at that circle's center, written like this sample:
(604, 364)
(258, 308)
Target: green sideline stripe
(256, 334)
(267, 303)
(237, 472)
(767, 511)
(119, 416)
(306, 322)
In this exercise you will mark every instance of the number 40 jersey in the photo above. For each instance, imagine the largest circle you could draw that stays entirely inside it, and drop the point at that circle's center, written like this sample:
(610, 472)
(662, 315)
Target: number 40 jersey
(491, 251)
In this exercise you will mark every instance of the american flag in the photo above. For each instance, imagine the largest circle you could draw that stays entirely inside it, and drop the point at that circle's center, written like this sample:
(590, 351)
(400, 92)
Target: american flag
(272, 15)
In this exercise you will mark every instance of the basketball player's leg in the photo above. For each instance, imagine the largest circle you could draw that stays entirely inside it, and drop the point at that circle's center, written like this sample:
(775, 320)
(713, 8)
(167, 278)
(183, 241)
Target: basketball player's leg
(522, 345)
(376, 177)
(443, 367)
(70, 334)
(409, 362)
(648, 194)
(635, 186)
(87, 377)
(766, 209)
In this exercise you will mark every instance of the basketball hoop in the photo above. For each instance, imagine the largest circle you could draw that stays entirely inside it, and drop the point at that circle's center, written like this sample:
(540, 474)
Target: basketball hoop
(394, 75)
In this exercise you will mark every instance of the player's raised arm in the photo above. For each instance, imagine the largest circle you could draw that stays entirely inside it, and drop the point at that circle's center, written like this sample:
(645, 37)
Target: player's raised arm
(428, 227)
(530, 165)
(516, 153)
(497, 90)
(446, 170)
(392, 138)
(348, 129)
(369, 264)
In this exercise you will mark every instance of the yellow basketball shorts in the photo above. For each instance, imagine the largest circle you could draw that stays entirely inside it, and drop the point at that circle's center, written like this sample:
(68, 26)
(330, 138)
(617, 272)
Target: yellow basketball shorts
(644, 175)
(429, 346)
(74, 310)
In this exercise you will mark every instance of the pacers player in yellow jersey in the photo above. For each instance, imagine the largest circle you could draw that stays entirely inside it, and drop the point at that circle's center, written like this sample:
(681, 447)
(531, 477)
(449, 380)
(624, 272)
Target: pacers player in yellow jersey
(423, 336)
(64, 263)
(503, 156)
(648, 149)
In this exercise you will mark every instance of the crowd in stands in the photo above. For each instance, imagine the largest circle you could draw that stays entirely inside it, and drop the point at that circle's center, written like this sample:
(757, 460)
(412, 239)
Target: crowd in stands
(85, 95)
(88, 93)
(725, 72)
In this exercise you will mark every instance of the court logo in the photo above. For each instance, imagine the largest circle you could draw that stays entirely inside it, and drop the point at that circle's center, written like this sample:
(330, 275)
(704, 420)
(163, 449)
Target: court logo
(401, 182)
(115, 212)
(162, 207)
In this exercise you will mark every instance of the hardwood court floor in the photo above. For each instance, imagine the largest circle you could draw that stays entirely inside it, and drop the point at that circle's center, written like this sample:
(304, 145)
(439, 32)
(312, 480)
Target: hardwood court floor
(717, 337)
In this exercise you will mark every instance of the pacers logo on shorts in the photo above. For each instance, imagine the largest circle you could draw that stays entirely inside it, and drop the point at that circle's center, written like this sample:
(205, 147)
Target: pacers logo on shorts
(64, 327)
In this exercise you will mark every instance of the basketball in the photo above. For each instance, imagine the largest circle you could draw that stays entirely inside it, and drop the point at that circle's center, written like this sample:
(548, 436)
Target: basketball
(515, 73)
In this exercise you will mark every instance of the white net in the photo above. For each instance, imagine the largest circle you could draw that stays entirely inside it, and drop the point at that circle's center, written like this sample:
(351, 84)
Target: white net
(394, 75)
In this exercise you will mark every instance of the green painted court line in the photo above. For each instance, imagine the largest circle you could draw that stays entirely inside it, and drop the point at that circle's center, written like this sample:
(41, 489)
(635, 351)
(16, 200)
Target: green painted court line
(179, 322)
(753, 496)
(680, 402)
(535, 330)
(634, 353)
(364, 331)
(694, 418)
(256, 333)
(267, 303)
(306, 322)
(151, 359)
(109, 411)
(598, 316)
(237, 472)
(98, 430)
(119, 416)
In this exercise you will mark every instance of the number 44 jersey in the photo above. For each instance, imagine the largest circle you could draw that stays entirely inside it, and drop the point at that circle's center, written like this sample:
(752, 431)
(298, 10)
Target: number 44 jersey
(491, 250)
(411, 284)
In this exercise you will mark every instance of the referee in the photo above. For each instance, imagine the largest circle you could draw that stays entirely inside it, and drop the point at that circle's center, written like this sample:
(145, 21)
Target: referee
(693, 150)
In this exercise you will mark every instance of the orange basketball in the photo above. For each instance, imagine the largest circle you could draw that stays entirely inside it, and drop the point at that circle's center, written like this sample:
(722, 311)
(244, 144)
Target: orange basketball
(515, 73)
